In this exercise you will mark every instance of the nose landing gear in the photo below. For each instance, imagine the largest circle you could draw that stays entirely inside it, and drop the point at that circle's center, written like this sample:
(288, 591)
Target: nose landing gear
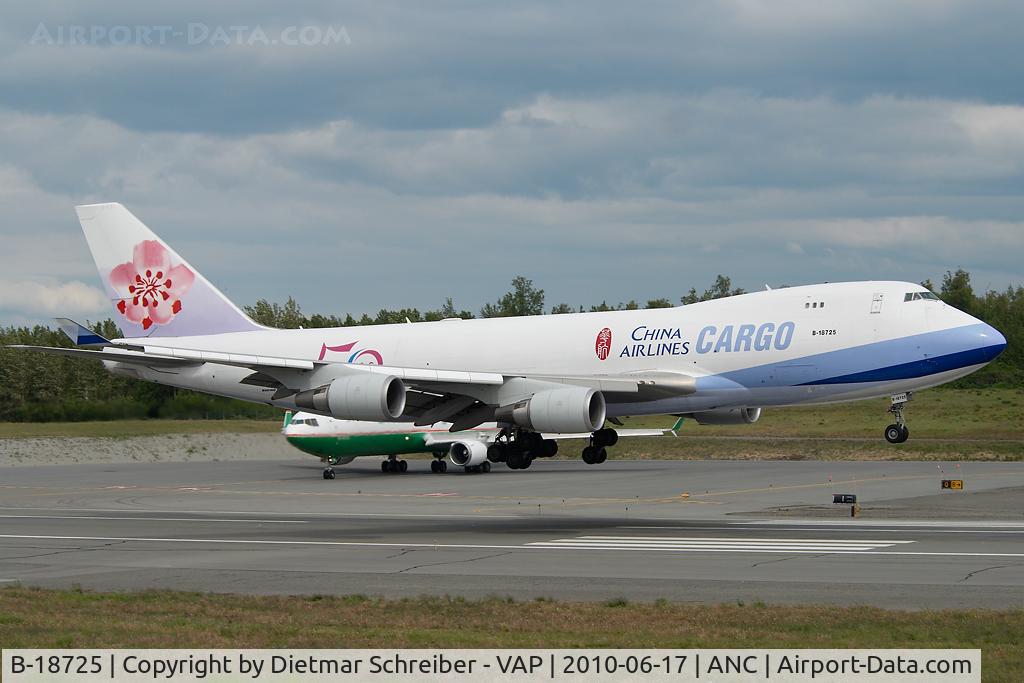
(898, 431)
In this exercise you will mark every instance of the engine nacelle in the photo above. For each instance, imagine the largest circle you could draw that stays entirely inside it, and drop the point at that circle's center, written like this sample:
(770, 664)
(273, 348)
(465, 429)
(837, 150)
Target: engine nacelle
(572, 409)
(366, 396)
(728, 416)
(467, 453)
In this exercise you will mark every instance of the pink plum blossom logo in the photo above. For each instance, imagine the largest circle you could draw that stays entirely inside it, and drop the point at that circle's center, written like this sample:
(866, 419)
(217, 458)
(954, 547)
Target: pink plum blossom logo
(149, 287)
(361, 356)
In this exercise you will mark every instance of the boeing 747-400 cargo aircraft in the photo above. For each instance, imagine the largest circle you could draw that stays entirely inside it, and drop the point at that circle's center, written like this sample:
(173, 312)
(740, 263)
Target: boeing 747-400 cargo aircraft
(719, 361)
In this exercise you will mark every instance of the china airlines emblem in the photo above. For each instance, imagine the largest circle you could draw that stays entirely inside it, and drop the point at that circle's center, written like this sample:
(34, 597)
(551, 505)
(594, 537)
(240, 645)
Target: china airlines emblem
(603, 345)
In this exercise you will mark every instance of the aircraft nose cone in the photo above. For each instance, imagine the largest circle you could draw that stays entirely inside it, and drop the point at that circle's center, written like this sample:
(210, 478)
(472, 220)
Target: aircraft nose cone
(991, 341)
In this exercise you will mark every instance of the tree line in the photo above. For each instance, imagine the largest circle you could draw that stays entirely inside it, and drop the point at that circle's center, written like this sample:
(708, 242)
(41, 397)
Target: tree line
(37, 387)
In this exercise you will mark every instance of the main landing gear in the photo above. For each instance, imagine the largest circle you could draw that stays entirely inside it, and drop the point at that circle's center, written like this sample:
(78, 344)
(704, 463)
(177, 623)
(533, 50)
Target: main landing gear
(439, 466)
(518, 448)
(393, 465)
(596, 453)
(898, 432)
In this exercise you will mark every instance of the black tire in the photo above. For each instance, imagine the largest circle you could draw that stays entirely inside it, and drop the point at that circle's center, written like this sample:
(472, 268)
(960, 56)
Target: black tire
(384, 466)
(403, 466)
(894, 434)
(527, 461)
(515, 460)
(328, 474)
(606, 437)
(905, 433)
(485, 467)
(590, 455)
(442, 467)
(549, 448)
(497, 452)
(602, 455)
(433, 466)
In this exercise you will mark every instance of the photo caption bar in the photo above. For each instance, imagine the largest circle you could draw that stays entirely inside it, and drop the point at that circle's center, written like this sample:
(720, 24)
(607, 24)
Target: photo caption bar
(311, 666)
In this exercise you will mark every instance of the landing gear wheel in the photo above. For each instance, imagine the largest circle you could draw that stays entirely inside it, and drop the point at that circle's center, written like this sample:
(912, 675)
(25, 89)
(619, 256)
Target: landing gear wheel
(549, 448)
(485, 467)
(590, 455)
(384, 466)
(403, 466)
(906, 433)
(328, 473)
(606, 437)
(602, 455)
(894, 433)
(527, 461)
(515, 460)
(433, 466)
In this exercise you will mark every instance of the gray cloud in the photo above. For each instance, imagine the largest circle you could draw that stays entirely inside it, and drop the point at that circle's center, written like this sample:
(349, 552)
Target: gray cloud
(608, 154)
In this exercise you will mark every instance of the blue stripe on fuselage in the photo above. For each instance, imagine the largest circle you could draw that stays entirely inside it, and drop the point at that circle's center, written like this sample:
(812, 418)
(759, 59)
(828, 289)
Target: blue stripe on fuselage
(907, 357)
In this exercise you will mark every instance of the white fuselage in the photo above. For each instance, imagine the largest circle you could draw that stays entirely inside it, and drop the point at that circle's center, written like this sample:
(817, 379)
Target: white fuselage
(808, 344)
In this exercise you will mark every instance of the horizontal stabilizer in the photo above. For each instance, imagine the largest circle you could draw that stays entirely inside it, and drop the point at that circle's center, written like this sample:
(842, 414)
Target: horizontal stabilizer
(80, 335)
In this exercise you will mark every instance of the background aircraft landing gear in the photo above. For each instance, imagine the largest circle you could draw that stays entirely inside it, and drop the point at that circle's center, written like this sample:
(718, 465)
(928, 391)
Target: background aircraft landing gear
(898, 431)
(328, 473)
(439, 467)
(393, 465)
(482, 468)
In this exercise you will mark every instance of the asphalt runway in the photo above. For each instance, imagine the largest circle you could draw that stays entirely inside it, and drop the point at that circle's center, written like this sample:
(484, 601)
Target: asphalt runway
(706, 531)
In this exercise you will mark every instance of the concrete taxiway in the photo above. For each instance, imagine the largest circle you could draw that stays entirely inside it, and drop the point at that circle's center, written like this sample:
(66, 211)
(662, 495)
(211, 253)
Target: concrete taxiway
(708, 531)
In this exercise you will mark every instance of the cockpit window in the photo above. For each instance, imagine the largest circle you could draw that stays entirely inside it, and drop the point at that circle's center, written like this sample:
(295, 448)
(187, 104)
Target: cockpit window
(311, 421)
(918, 296)
(929, 295)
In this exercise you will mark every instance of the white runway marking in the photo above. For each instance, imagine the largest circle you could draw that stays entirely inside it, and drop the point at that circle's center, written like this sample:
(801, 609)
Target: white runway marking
(481, 546)
(712, 544)
(161, 519)
(929, 523)
(873, 529)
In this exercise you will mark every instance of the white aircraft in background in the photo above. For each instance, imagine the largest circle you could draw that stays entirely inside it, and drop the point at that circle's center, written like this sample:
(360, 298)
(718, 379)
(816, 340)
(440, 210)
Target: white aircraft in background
(719, 361)
(339, 442)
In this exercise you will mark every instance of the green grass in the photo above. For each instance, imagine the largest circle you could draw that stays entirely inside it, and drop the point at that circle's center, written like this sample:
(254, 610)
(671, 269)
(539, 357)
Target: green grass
(128, 428)
(939, 413)
(945, 424)
(162, 619)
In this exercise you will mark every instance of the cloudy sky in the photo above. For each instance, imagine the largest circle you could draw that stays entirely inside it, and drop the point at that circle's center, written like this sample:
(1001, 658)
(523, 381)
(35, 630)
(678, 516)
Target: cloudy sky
(366, 155)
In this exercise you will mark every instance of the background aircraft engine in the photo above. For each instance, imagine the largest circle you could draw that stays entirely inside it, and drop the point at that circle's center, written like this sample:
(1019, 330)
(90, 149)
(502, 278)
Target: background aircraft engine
(467, 453)
(572, 409)
(728, 416)
(360, 397)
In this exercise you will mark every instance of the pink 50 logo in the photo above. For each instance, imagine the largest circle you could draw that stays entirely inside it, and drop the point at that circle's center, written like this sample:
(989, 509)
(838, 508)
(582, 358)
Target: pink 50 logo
(361, 356)
(603, 345)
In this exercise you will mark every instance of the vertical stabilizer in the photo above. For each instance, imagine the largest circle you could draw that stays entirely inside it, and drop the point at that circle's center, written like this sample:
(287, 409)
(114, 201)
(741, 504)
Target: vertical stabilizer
(154, 291)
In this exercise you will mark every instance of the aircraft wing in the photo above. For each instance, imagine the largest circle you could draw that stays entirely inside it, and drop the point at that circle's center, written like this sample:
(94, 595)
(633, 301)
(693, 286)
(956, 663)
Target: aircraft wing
(621, 432)
(465, 398)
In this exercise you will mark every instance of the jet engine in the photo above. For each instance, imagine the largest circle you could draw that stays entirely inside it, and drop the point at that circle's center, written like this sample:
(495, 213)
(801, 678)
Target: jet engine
(572, 409)
(467, 453)
(365, 396)
(728, 416)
